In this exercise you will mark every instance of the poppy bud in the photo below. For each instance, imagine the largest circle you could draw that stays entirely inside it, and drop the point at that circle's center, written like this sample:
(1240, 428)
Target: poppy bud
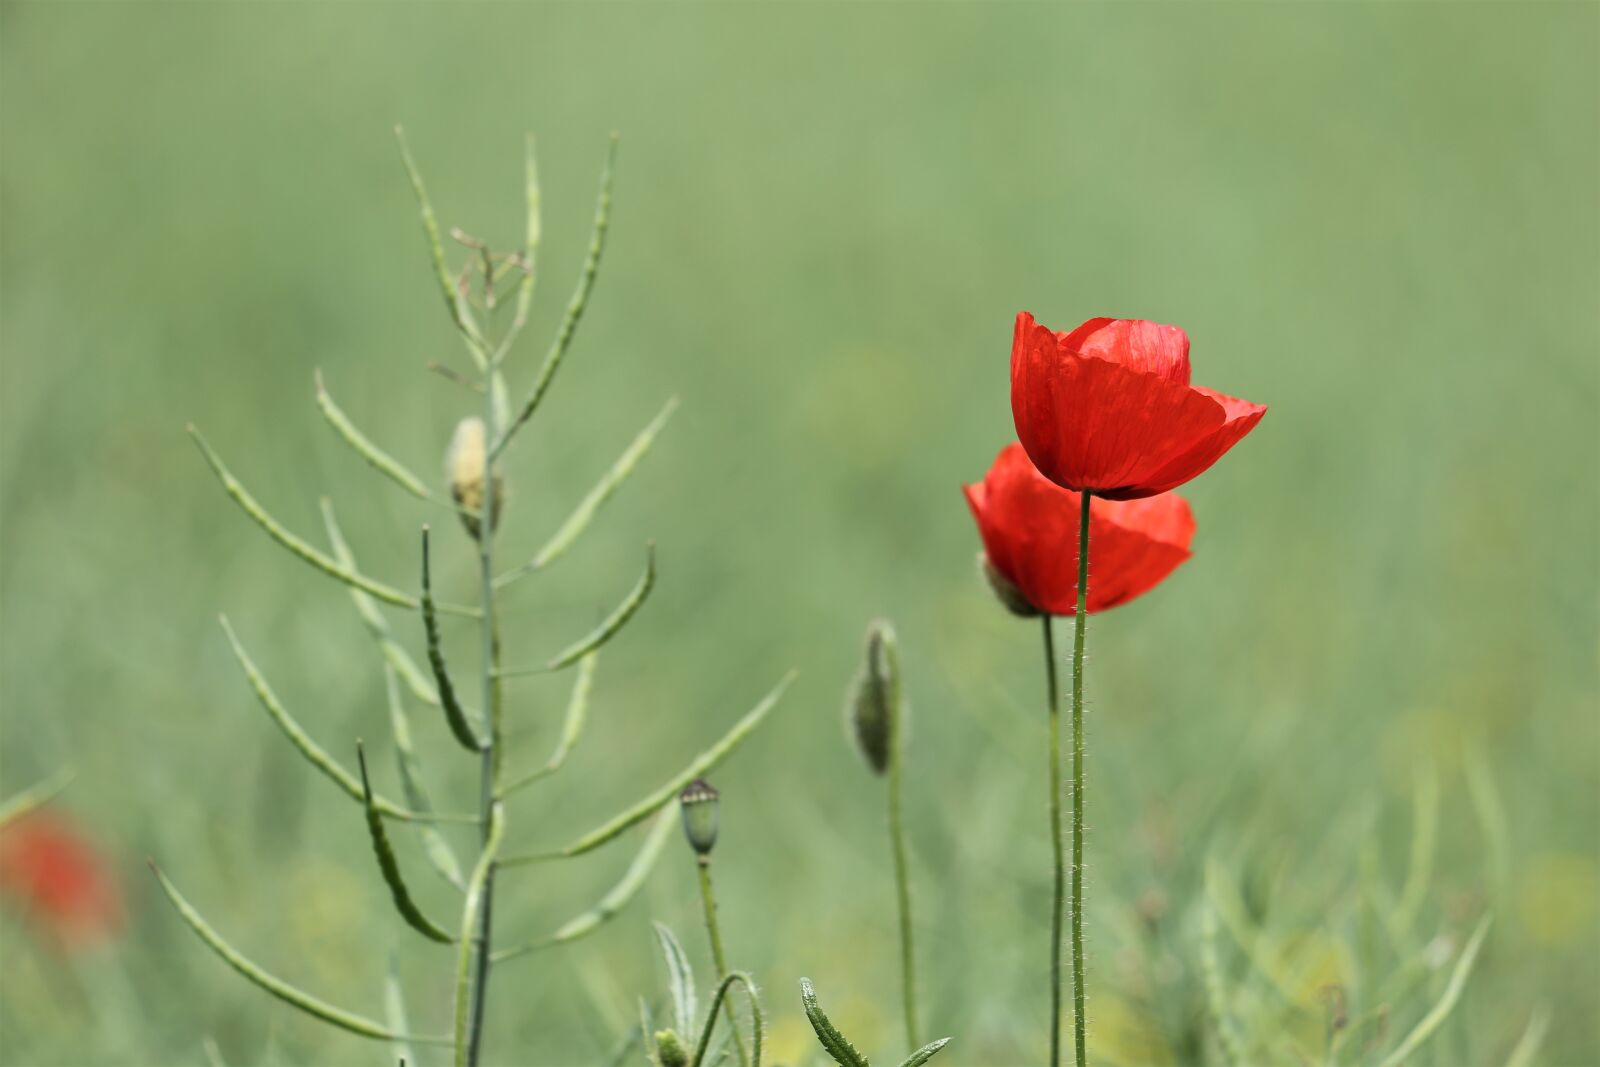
(669, 1049)
(463, 468)
(872, 708)
(1005, 591)
(699, 803)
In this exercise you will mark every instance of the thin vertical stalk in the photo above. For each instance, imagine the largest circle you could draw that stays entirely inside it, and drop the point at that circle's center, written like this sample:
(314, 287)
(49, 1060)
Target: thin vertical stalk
(490, 759)
(718, 957)
(1078, 1024)
(1057, 846)
(897, 839)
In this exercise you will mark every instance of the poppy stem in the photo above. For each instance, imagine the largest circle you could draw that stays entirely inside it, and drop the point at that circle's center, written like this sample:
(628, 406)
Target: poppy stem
(718, 957)
(1078, 1026)
(897, 838)
(1055, 842)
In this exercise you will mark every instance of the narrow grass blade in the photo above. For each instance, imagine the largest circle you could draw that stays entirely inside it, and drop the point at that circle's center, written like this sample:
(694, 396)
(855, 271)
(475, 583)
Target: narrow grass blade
(833, 1042)
(36, 795)
(1424, 838)
(380, 460)
(575, 307)
(280, 534)
(394, 1011)
(696, 768)
(438, 851)
(1216, 994)
(453, 712)
(1447, 1002)
(469, 924)
(680, 980)
(613, 902)
(315, 753)
(373, 618)
(1527, 1046)
(571, 727)
(608, 628)
(344, 1020)
(925, 1053)
(460, 312)
(758, 1023)
(577, 522)
(390, 866)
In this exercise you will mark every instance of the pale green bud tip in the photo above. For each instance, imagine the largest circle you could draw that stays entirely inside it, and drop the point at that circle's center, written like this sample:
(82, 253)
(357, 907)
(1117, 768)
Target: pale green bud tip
(464, 465)
(670, 1050)
(1005, 591)
(872, 706)
(699, 803)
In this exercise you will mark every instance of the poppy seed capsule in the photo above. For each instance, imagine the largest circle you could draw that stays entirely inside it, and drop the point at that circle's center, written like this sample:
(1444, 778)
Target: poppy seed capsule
(699, 803)
(874, 705)
(463, 469)
(669, 1049)
(1005, 591)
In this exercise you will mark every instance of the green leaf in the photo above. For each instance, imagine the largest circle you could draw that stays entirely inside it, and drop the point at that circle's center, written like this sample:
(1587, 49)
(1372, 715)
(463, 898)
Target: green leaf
(1452, 993)
(925, 1053)
(571, 727)
(376, 624)
(470, 911)
(584, 513)
(757, 1019)
(575, 307)
(380, 460)
(613, 902)
(680, 980)
(833, 1042)
(454, 714)
(321, 1009)
(607, 629)
(34, 796)
(403, 901)
(655, 800)
(301, 740)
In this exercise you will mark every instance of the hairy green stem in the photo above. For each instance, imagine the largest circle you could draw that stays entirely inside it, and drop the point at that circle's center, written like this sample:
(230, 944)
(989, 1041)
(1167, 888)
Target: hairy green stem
(718, 957)
(1056, 844)
(1080, 620)
(897, 839)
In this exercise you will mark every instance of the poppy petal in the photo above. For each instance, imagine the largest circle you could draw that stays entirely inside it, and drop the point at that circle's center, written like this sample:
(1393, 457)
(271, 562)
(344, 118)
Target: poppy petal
(1241, 418)
(1134, 343)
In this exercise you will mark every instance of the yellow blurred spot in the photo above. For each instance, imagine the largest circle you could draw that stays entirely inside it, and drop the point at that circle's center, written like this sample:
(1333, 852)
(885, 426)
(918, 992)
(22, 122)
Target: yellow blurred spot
(1120, 1033)
(1556, 897)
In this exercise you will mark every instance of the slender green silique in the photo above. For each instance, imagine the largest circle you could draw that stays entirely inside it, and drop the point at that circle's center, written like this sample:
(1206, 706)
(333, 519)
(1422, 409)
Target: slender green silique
(34, 796)
(571, 728)
(608, 628)
(1079, 1027)
(897, 840)
(454, 714)
(389, 865)
(363, 445)
(708, 902)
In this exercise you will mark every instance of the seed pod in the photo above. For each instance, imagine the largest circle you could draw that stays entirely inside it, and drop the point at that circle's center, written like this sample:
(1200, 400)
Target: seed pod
(1004, 591)
(874, 706)
(699, 802)
(669, 1049)
(463, 469)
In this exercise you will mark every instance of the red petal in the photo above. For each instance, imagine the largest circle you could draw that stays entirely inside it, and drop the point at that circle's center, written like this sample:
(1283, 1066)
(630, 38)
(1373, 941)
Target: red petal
(1091, 424)
(1133, 343)
(1242, 417)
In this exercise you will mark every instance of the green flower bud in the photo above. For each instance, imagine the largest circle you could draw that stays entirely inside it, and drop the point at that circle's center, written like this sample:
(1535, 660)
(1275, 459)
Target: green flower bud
(669, 1049)
(874, 710)
(463, 468)
(699, 803)
(1004, 591)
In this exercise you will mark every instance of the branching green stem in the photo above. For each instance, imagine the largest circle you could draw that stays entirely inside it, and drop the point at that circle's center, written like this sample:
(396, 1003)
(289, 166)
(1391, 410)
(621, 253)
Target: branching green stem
(708, 900)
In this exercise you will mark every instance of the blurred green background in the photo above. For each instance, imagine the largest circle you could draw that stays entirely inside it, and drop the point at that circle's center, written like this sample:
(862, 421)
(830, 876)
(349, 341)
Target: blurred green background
(1380, 220)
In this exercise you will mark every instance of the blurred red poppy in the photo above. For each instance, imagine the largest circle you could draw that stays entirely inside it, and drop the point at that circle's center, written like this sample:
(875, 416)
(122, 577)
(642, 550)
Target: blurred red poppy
(1108, 407)
(58, 877)
(1029, 527)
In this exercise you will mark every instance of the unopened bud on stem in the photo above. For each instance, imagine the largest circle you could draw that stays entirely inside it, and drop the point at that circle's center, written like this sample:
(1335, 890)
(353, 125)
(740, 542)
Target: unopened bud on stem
(875, 710)
(699, 803)
(464, 465)
(669, 1049)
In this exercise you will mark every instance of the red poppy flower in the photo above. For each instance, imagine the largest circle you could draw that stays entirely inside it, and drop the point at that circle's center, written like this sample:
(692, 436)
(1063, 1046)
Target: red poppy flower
(54, 872)
(1029, 527)
(1109, 408)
